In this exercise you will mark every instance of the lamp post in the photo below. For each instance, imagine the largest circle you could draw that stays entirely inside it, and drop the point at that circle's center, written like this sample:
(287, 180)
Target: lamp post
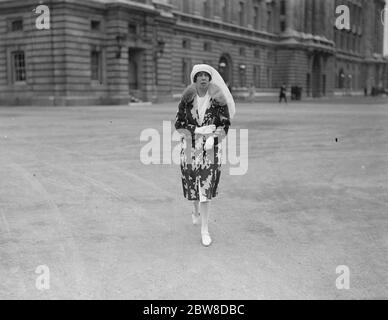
(158, 53)
(221, 69)
(242, 75)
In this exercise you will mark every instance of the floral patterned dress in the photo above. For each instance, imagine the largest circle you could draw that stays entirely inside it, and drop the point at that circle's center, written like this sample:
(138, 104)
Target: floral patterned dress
(200, 168)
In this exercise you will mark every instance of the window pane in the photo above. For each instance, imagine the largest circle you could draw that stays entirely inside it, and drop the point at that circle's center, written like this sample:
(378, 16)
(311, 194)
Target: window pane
(132, 29)
(19, 66)
(206, 9)
(283, 7)
(95, 25)
(96, 66)
(241, 14)
(17, 25)
(256, 18)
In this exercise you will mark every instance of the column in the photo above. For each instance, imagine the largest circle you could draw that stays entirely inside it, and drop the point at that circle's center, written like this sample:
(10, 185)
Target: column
(308, 16)
(196, 6)
(290, 7)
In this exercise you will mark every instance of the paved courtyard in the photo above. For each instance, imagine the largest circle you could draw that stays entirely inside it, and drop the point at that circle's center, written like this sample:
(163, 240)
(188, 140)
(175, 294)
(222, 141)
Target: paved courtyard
(75, 197)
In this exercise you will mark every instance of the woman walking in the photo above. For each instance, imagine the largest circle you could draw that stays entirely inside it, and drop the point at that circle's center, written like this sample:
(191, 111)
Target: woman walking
(203, 119)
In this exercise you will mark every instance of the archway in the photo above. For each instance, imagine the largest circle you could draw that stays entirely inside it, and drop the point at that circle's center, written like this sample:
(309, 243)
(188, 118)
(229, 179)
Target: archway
(225, 68)
(135, 86)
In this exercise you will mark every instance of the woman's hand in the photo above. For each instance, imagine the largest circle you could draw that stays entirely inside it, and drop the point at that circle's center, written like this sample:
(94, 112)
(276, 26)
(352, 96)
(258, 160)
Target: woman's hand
(206, 130)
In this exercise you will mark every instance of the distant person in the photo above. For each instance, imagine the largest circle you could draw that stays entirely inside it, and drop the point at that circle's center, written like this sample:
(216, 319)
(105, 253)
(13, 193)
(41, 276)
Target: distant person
(283, 93)
(252, 93)
(365, 91)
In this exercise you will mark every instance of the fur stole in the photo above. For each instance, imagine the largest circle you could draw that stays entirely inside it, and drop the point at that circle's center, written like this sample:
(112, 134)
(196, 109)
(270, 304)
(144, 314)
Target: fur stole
(214, 92)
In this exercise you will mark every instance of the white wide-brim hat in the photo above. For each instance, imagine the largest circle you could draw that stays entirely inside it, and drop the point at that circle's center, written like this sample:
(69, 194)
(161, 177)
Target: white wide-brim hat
(200, 68)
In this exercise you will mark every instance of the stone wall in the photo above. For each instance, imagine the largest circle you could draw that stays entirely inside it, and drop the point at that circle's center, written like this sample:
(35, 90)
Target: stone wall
(144, 40)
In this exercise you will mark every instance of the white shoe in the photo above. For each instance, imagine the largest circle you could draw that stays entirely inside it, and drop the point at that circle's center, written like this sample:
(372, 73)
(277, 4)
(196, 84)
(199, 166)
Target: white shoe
(196, 219)
(206, 240)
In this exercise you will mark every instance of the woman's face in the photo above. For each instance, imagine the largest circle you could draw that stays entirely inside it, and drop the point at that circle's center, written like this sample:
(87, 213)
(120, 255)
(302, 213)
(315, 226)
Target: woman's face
(203, 80)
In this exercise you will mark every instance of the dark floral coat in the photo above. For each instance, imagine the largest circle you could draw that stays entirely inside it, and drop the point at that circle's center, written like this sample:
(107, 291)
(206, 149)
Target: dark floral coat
(201, 169)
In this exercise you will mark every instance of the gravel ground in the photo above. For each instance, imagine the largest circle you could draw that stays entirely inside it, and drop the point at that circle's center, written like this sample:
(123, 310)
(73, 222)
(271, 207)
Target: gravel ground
(75, 198)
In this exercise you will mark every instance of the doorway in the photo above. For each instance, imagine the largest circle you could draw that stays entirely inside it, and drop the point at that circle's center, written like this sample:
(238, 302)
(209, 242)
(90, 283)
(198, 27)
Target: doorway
(134, 72)
(316, 77)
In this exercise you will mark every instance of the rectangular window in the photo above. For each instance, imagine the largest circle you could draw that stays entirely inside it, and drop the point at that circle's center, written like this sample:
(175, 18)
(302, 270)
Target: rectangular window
(17, 25)
(314, 15)
(242, 14)
(269, 21)
(225, 11)
(306, 16)
(206, 9)
(256, 18)
(18, 66)
(186, 44)
(257, 53)
(282, 26)
(207, 46)
(242, 52)
(133, 73)
(132, 29)
(270, 56)
(96, 66)
(95, 25)
(283, 7)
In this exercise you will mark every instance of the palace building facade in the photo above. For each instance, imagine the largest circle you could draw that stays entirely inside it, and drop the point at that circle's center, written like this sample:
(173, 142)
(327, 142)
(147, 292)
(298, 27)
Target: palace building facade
(116, 51)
